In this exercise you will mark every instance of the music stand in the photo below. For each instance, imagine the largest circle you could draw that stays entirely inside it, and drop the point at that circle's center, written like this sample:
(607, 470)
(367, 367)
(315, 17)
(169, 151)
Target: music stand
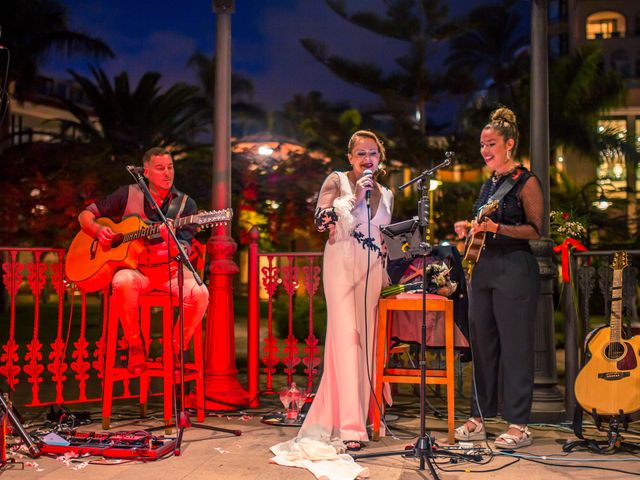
(402, 238)
(417, 245)
(182, 417)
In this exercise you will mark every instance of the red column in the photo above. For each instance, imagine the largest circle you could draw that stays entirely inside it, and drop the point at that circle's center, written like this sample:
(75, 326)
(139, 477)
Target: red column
(222, 389)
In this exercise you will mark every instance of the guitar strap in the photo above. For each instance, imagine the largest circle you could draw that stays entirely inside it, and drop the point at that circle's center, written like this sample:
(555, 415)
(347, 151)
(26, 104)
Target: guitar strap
(176, 207)
(504, 188)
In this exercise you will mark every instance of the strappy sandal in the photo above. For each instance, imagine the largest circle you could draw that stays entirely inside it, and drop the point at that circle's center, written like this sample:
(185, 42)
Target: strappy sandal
(511, 442)
(478, 433)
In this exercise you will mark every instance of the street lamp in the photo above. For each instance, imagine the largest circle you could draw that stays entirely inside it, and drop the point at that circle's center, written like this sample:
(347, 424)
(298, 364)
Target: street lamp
(602, 203)
(265, 150)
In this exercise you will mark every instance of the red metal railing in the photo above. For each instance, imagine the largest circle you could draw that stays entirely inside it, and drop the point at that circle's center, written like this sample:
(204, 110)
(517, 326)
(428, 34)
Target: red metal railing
(30, 277)
(289, 271)
(34, 351)
(68, 356)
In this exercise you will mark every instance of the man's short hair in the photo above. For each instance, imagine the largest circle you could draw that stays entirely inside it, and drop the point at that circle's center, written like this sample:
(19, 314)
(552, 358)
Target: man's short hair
(154, 152)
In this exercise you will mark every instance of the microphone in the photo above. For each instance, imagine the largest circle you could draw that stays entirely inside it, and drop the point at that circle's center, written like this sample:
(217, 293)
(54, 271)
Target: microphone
(367, 194)
(135, 170)
(449, 157)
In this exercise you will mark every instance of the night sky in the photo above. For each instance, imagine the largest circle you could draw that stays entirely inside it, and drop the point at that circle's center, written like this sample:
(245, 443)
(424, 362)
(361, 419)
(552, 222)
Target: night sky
(161, 35)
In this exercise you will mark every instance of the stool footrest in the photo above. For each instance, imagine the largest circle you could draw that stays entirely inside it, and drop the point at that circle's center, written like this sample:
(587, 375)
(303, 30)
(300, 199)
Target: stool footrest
(415, 372)
(443, 376)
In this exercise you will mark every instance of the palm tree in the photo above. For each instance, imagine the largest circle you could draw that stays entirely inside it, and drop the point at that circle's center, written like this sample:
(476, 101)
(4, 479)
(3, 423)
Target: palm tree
(132, 120)
(33, 29)
(122, 122)
(580, 93)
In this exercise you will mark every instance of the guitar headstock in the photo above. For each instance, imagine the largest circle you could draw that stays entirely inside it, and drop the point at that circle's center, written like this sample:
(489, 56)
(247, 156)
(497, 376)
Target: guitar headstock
(487, 209)
(620, 260)
(214, 217)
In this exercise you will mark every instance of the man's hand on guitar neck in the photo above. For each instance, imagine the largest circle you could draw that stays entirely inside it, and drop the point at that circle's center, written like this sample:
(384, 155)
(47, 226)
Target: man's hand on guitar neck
(485, 226)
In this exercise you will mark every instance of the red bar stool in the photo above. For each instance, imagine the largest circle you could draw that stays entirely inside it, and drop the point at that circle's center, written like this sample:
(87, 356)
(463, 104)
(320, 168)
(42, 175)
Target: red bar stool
(413, 302)
(163, 366)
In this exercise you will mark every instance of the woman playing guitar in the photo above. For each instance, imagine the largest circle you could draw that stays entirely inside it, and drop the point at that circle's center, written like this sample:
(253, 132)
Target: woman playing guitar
(504, 286)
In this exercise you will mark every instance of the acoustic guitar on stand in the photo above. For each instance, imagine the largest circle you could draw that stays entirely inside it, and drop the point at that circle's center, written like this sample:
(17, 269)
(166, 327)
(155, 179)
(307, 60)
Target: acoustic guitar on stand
(91, 266)
(475, 242)
(609, 382)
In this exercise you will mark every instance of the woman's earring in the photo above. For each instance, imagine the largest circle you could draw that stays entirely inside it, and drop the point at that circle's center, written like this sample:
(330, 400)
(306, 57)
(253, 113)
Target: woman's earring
(509, 154)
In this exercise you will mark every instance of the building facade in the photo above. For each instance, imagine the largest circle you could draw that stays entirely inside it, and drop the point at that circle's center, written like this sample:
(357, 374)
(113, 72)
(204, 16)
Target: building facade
(37, 115)
(615, 26)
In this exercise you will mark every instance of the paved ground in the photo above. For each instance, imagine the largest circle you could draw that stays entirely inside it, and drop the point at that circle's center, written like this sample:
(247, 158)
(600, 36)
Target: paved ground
(207, 454)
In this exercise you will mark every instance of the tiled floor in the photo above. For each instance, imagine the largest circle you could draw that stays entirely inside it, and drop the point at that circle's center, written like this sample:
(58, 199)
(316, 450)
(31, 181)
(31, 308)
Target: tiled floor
(207, 454)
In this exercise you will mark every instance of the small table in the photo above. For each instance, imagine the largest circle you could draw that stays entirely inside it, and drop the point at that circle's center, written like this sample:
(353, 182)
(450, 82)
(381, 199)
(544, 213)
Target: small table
(413, 302)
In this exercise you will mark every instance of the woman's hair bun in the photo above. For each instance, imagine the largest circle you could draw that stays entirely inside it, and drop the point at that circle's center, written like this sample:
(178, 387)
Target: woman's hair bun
(505, 114)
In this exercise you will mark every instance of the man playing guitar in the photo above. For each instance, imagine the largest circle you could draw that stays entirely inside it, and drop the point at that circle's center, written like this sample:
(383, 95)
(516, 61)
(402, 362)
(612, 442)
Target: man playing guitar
(157, 269)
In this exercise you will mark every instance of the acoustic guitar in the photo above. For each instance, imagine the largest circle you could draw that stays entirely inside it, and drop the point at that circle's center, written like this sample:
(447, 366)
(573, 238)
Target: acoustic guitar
(475, 242)
(609, 381)
(91, 266)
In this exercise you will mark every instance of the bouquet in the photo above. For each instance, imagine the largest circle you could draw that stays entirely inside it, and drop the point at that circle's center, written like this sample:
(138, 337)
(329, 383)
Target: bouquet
(563, 227)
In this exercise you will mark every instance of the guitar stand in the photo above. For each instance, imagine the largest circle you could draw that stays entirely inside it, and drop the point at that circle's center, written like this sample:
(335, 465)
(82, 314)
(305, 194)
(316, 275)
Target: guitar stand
(614, 442)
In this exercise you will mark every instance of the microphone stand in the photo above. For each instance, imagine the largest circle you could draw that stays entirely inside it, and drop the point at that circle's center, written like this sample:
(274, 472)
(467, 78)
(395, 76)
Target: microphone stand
(182, 417)
(34, 451)
(422, 449)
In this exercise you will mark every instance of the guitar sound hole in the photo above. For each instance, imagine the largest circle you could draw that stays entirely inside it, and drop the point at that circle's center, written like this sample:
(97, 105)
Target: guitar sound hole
(615, 351)
(117, 240)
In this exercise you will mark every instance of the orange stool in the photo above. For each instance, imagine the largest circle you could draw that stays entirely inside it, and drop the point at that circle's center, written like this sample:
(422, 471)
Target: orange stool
(435, 303)
(160, 367)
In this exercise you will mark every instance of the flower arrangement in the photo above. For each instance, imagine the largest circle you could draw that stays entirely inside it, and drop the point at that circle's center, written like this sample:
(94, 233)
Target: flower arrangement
(438, 282)
(438, 274)
(563, 226)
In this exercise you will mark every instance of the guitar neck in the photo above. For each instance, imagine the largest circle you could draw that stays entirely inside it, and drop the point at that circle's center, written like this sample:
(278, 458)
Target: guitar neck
(616, 307)
(155, 228)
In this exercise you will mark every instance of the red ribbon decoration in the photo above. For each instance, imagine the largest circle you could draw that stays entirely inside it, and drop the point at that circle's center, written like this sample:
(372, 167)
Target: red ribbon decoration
(564, 248)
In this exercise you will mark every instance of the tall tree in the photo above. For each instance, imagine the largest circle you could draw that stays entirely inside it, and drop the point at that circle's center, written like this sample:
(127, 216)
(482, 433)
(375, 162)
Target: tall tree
(406, 92)
(490, 50)
(322, 125)
(493, 49)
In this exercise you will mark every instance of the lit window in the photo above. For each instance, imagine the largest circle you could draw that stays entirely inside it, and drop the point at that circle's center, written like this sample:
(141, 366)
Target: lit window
(612, 161)
(605, 24)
